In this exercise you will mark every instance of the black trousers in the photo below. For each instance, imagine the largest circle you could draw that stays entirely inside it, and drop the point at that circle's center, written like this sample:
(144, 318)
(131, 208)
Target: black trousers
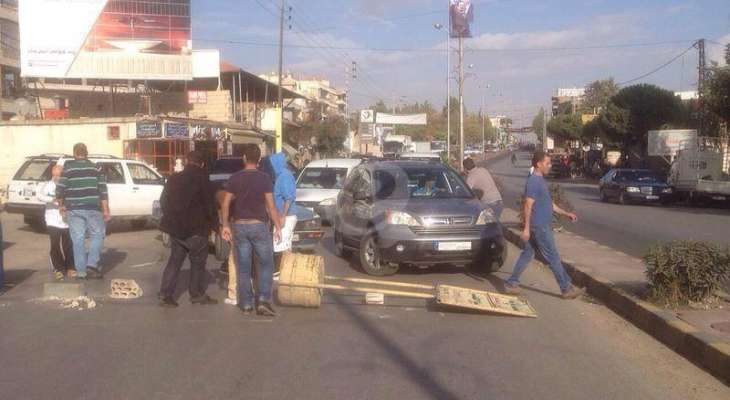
(195, 248)
(62, 252)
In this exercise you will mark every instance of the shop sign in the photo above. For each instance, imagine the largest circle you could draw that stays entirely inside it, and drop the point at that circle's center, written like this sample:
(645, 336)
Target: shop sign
(206, 133)
(176, 130)
(197, 97)
(148, 129)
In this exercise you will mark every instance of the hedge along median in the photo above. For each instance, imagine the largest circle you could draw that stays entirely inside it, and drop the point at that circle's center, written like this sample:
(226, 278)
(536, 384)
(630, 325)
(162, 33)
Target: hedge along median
(699, 347)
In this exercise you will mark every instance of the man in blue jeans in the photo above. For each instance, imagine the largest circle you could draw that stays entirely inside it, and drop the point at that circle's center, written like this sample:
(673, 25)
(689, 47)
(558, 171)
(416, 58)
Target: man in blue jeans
(538, 233)
(83, 201)
(251, 192)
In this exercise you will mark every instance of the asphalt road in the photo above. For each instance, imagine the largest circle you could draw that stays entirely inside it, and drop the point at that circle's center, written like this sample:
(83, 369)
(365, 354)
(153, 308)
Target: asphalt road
(631, 229)
(345, 350)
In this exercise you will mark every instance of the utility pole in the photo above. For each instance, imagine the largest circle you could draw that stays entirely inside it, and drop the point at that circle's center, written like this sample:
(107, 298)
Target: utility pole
(461, 103)
(448, 85)
(351, 74)
(544, 130)
(280, 103)
(702, 70)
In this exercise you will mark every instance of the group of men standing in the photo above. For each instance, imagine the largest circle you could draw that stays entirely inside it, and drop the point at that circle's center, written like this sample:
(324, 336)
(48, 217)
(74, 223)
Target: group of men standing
(255, 212)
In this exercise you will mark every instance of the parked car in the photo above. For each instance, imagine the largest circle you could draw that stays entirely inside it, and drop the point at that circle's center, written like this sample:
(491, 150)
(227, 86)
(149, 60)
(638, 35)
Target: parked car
(635, 186)
(133, 188)
(394, 213)
(320, 182)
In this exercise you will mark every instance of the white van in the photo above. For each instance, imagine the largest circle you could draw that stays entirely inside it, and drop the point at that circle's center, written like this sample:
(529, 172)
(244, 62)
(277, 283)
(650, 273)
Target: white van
(133, 187)
(320, 182)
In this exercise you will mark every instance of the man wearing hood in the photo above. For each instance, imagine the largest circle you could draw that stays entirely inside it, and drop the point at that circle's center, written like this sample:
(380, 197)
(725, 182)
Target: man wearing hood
(285, 192)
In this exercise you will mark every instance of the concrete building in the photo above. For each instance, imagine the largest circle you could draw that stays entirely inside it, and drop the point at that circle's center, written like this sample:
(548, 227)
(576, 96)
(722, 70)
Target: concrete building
(9, 58)
(568, 97)
(319, 97)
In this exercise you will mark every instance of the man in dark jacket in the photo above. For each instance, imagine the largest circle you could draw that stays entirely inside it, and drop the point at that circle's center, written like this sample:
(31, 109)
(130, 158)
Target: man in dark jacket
(188, 215)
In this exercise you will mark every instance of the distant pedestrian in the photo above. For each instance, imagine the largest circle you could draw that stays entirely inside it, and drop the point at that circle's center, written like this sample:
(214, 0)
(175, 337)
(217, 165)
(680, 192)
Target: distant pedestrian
(479, 178)
(188, 216)
(251, 192)
(285, 195)
(62, 257)
(84, 202)
(537, 233)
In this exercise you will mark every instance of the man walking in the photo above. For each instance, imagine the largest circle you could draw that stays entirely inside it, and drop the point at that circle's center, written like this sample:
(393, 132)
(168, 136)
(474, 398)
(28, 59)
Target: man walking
(538, 233)
(479, 179)
(285, 194)
(84, 202)
(251, 191)
(62, 257)
(188, 215)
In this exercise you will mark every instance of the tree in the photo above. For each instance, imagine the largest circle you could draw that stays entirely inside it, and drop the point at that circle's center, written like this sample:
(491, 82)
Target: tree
(612, 125)
(538, 122)
(330, 134)
(650, 107)
(568, 127)
(717, 92)
(598, 94)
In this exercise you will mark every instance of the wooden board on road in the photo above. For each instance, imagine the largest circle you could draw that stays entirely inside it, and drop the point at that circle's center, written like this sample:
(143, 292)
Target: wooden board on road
(483, 301)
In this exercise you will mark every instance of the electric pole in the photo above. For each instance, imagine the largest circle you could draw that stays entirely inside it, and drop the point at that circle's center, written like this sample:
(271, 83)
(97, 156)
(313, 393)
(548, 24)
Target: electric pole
(702, 70)
(351, 74)
(461, 103)
(544, 130)
(280, 103)
(448, 85)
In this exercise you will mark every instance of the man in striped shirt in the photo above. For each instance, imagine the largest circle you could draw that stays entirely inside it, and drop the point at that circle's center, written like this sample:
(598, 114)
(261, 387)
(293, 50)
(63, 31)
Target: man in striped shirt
(84, 202)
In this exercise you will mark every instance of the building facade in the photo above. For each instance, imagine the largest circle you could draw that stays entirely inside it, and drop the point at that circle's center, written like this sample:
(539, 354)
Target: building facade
(319, 98)
(9, 58)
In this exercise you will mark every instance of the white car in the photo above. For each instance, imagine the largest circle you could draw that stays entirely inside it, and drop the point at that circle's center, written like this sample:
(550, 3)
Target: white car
(320, 182)
(133, 187)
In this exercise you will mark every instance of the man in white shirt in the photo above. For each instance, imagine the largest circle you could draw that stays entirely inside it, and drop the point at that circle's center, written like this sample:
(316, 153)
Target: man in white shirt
(62, 257)
(481, 181)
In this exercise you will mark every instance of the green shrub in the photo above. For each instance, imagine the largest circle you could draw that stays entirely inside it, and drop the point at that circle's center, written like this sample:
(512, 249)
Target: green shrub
(685, 271)
(557, 193)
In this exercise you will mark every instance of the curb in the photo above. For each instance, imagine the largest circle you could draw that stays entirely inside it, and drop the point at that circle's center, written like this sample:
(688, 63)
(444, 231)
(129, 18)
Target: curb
(703, 349)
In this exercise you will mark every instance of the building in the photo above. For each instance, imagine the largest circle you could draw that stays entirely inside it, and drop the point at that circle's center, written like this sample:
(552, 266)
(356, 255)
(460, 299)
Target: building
(688, 95)
(9, 58)
(319, 98)
(567, 99)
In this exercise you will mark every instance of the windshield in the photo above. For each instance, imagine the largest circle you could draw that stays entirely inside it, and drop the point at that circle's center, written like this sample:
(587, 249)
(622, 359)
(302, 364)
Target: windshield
(640, 176)
(322, 178)
(227, 166)
(420, 183)
(35, 170)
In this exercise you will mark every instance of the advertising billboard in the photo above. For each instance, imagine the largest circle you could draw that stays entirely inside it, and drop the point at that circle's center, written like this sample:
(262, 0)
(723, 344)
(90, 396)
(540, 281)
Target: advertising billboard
(667, 143)
(106, 39)
(462, 15)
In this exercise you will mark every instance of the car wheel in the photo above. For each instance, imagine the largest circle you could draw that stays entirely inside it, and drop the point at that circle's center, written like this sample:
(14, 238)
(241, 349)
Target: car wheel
(37, 225)
(493, 263)
(222, 248)
(370, 259)
(340, 249)
(165, 238)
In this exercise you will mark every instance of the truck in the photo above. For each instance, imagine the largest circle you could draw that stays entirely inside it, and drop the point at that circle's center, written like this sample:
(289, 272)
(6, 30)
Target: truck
(697, 176)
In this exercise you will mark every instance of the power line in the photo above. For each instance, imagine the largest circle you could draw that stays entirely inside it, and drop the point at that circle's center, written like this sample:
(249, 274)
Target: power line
(659, 68)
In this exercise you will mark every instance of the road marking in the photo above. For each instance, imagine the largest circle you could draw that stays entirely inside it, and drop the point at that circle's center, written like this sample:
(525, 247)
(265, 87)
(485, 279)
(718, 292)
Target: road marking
(145, 264)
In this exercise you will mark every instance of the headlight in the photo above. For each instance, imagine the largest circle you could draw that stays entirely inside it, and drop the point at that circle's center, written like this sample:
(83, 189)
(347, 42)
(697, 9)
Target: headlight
(632, 189)
(667, 190)
(312, 224)
(486, 217)
(400, 218)
(328, 202)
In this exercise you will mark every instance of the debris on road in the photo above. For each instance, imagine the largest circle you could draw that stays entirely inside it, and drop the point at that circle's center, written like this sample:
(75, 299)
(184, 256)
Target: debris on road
(125, 289)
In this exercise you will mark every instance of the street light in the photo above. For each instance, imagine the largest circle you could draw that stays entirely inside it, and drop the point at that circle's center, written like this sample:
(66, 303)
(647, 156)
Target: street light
(438, 26)
(481, 111)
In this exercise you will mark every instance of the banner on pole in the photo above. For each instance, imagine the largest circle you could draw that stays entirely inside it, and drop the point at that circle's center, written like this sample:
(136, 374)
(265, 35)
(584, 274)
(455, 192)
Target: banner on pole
(461, 13)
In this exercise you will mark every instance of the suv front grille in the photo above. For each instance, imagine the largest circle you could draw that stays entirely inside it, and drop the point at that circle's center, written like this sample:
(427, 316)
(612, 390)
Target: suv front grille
(453, 230)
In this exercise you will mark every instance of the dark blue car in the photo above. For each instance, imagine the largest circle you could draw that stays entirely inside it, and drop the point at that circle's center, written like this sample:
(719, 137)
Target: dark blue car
(635, 186)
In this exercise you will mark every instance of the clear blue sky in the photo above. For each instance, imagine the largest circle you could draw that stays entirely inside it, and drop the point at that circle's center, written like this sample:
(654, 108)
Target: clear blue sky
(520, 71)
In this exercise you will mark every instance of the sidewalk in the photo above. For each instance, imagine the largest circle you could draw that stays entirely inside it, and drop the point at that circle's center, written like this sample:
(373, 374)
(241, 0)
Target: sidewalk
(618, 280)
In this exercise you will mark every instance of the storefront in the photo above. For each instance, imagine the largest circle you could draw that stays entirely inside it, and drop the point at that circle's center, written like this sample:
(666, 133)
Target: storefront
(160, 142)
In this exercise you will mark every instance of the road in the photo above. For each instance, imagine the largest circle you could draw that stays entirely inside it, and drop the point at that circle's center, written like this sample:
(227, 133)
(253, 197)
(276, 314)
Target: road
(345, 350)
(631, 228)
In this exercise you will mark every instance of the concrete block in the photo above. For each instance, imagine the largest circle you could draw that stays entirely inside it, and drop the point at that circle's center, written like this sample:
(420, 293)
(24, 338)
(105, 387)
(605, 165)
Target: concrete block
(64, 290)
(125, 289)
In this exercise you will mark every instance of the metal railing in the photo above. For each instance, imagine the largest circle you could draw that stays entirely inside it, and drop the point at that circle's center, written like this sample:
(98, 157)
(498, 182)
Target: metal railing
(177, 8)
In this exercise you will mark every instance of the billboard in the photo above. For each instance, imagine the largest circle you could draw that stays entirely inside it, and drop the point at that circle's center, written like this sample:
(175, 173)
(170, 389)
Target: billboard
(461, 13)
(106, 39)
(667, 143)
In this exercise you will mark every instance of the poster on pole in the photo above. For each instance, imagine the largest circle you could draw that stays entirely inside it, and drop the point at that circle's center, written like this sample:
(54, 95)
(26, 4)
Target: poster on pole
(106, 39)
(667, 143)
(461, 13)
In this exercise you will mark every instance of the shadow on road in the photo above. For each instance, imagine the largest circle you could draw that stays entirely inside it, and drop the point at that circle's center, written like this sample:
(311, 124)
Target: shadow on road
(14, 277)
(111, 258)
(7, 245)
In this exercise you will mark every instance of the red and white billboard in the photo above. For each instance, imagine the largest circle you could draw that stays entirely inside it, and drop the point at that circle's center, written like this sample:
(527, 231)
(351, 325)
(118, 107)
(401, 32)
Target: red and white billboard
(106, 39)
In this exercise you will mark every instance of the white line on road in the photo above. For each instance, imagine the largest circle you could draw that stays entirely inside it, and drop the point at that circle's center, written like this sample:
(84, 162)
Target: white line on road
(145, 264)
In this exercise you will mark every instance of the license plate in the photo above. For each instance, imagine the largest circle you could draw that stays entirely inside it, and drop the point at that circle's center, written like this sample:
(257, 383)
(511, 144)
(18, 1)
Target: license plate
(453, 246)
(28, 192)
(652, 197)
(719, 198)
(295, 238)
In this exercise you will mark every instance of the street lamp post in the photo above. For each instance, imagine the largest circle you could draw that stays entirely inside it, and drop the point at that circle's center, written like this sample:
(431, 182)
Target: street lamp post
(448, 88)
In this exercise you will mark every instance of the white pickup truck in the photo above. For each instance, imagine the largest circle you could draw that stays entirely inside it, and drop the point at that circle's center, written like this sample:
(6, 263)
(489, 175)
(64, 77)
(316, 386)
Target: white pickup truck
(133, 187)
(697, 176)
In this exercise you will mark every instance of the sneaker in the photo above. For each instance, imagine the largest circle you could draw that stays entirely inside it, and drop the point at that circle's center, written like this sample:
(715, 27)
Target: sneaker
(58, 275)
(94, 273)
(246, 310)
(204, 300)
(80, 277)
(230, 302)
(71, 273)
(573, 293)
(512, 289)
(264, 309)
(168, 302)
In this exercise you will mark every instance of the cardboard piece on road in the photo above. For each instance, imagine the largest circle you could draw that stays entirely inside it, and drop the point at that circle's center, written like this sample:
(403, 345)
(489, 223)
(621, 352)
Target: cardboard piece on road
(454, 296)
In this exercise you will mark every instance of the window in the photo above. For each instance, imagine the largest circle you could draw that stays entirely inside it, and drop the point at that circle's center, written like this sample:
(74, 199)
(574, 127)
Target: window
(35, 170)
(112, 133)
(142, 175)
(113, 172)
(322, 178)
(159, 153)
(421, 183)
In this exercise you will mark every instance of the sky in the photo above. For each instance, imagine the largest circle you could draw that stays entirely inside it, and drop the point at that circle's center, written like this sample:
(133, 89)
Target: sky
(520, 52)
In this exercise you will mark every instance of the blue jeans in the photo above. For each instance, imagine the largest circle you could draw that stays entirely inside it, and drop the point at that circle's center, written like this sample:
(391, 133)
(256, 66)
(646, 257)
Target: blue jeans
(497, 207)
(542, 239)
(80, 222)
(250, 239)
